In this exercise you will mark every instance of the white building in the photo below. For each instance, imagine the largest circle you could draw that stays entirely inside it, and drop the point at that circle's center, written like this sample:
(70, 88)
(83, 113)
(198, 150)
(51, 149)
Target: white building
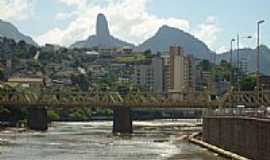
(181, 74)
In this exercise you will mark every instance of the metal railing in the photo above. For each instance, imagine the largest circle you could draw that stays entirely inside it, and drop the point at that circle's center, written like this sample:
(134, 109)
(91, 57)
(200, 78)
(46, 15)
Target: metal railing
(263, 112)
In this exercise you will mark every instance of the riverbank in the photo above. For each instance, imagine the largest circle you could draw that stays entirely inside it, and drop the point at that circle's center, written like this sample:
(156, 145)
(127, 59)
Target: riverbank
(196, 139)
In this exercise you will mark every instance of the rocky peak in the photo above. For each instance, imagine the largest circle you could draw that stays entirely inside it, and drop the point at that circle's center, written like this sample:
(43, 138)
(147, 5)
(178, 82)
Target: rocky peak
(102, 28)
(102, 38)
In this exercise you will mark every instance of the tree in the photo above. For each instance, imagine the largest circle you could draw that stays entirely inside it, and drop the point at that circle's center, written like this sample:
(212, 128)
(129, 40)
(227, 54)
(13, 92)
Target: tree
(205, 65)
(81, 80)
(53, 116)
(32, 52)
(248, 83)
(2, 74)
(148, 53)
(81, 114)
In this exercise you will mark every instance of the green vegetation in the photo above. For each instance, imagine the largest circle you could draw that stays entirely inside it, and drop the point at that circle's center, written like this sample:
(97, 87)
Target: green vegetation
(2, 73)
(223, 71)
(81, 114)
(205, 65)
(53, 116)
(81, 80)
(4, 110)
(248, 83)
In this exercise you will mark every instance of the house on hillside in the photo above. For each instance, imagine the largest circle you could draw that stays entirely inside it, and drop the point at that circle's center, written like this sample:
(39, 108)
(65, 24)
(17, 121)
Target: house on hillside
(26, 82)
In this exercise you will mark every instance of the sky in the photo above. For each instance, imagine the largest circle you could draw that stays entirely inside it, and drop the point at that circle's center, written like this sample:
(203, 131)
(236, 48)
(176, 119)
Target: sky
(215, 22)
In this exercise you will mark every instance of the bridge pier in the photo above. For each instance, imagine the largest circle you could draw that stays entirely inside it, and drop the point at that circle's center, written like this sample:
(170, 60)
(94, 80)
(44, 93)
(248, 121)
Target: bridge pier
(37, 119)
(122, 121)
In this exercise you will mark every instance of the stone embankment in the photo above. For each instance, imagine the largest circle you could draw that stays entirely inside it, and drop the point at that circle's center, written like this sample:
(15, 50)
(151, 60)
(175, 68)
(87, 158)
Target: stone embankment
(194, 139)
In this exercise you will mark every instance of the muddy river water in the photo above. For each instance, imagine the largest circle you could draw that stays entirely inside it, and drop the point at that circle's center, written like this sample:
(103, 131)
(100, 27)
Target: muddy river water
(151, 140)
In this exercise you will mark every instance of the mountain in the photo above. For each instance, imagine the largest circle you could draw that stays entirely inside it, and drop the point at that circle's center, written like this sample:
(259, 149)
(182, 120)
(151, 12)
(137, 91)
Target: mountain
(168, 36)
(10, 31)
(103, 38)
(250, 57)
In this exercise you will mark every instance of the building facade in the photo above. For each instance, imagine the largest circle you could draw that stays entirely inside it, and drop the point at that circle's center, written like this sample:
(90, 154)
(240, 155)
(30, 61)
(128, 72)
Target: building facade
(166, 73)
(265, 82)
(150, 76)
(181, 74)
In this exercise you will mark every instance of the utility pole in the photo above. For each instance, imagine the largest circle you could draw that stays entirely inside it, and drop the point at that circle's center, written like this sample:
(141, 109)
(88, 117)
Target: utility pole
(231, 61)
(238, 65)
(232, 70)
(238, 68)
(258, 62)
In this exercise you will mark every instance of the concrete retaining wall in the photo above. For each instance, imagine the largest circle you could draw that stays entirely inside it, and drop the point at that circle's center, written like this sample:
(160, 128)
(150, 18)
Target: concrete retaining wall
(248, 137)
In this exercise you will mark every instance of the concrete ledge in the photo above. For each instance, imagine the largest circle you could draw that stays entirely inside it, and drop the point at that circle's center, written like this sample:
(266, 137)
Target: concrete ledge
(215, 149)
(260, 119)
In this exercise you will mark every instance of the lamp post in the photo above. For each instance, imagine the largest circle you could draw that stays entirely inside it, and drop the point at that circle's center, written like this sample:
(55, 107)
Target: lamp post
(258, 60)
(231, 61)
(232, 70)
(238, 63)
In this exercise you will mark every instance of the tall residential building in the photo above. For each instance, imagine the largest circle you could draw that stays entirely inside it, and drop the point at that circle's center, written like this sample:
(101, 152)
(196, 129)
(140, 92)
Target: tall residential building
(166, 73)
(150, 76)
(244, 66)
(181, 71)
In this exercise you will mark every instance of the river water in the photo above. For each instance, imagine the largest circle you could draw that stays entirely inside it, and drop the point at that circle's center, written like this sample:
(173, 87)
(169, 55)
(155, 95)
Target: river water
(152, 140)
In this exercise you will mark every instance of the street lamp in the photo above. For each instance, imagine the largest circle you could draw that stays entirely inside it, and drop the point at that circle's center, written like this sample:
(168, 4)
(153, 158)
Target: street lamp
(238, 64)
(231, 61)
(258, 58)
(238, 59)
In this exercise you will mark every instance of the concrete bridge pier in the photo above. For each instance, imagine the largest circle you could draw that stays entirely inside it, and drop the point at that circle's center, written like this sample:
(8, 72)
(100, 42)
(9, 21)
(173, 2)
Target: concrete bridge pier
(37, 118)
(122, 121)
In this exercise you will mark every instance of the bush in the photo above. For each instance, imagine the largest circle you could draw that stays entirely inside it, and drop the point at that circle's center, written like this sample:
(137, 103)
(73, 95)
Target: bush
(53, 116)
(81, 114)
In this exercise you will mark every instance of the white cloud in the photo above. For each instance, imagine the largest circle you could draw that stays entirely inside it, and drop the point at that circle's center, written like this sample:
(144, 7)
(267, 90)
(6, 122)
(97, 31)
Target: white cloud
(71, 2)
(222, 50)
(64, 16)
(208, 31)
(128, 20)
(16, 9)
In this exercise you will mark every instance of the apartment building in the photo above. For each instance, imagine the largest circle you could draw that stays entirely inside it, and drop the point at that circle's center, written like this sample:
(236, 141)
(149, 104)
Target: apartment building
(150, 76)
(181, 74)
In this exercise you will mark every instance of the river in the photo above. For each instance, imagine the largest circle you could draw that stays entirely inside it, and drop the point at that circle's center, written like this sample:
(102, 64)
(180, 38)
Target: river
(152, 140)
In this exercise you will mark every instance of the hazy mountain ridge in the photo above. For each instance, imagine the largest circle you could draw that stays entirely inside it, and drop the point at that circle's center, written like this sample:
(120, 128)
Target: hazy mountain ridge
(251, 57)
(161, 41)
(8, 30)
(168, 36)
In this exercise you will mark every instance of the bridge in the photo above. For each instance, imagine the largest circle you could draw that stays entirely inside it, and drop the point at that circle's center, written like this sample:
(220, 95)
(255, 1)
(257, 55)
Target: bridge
(39, 102)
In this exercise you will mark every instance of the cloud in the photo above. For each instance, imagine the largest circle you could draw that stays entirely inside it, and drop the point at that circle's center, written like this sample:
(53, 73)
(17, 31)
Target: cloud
(72, 2)
(64, 16)
(208, 31)
(128, 20)
(16, 9)
(222, 50)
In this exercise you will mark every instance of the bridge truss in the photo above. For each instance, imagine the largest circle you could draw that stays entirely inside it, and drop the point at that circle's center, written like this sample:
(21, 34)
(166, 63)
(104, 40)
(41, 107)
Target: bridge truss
(28, 97)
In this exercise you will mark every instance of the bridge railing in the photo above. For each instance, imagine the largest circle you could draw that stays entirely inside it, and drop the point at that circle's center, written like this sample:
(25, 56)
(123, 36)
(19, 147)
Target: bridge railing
(247, 98)
(263, 112)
